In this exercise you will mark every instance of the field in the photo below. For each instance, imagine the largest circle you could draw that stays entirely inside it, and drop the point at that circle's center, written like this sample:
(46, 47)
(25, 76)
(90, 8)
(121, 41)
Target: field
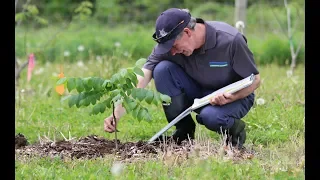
(275, 133)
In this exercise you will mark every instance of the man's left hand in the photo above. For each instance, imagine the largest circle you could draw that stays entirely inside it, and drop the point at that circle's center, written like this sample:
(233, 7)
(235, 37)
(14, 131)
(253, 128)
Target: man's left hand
(222, 99)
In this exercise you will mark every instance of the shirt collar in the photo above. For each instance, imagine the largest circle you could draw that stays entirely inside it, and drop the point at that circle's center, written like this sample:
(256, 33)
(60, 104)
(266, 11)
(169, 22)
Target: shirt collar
(210, 39)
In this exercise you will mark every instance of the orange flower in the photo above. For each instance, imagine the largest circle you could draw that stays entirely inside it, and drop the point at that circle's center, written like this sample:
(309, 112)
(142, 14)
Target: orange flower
(60, 88)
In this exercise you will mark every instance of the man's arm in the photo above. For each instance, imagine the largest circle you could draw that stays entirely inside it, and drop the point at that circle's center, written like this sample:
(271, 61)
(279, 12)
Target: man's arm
(221, 99)
(144, 81)
(245, 91)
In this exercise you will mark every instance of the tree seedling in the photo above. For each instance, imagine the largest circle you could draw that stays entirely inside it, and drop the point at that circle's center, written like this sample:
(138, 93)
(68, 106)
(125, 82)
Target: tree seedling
(121, 88)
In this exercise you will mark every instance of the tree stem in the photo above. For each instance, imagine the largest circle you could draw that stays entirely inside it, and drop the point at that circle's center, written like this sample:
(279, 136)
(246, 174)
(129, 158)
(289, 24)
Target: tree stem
(115, 125)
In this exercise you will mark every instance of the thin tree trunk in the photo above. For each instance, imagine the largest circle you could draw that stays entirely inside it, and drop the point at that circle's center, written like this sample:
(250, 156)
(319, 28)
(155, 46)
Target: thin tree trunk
(241, 11)
(18, 69)
(294, 53)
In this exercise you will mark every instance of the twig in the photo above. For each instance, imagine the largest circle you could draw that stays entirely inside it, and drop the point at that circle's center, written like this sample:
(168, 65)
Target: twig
(300, 44)
(115, 126)
(19, 69)
(282, 29)
(19, 22)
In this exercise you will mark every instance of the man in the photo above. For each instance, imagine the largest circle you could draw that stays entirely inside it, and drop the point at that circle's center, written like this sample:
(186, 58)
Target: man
(192, 59)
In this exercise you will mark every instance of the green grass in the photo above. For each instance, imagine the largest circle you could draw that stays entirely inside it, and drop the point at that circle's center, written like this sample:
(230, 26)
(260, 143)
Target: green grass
(275, 130)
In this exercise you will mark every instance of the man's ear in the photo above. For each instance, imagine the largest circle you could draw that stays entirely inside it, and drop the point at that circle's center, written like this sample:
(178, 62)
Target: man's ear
(187, 31)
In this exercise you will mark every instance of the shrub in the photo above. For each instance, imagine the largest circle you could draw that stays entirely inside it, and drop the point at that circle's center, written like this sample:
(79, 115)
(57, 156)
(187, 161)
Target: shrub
(276, 49)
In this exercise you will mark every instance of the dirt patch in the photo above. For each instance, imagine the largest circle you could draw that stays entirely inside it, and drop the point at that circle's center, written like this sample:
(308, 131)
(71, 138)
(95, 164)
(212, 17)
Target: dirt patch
(20, 141)
(93, 146)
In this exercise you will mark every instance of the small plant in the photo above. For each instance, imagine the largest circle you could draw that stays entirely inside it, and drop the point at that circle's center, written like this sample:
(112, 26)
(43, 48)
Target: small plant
(120, 89)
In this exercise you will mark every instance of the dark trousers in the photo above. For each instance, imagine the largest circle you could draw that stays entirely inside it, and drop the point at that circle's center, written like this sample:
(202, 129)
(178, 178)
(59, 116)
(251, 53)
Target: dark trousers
(170, 79)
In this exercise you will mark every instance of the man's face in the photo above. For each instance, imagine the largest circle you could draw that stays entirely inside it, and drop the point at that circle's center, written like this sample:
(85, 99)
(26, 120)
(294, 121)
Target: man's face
(184, 45)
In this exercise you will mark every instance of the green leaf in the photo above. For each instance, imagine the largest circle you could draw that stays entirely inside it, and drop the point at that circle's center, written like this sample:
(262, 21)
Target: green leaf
(141, 94)
(119, 86)
(116, 98)
(129, 83)
(143, 114)
(71, 84)
(129, 92)
(156, 98)
(140, 62)
(87, 84)
(138, 93)
(129, 104)
(97, 83)
(135, 112)
(125, 103)
(125, 87)
(93, 99)
(138, 71)
(115, 78)
(106, 83)
(98, 108)
(132, 105)
(149, 97)
(85, 102)
(20, 17)
(86, 98)
(165, 98)
(133, 78)
(114, 92)
(130, 70)
(80, 97)
(73, 100)
(123, 72)
(147, 116)
(79, 85)
(33, 9)
(41, 20)
(62, 81)
(108, 102)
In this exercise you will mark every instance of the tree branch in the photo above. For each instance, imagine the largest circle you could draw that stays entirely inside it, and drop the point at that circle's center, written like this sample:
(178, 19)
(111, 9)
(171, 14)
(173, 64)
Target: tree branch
(282, 29)
(300, 44)
(19, 69)
(23, 10)
(288, 20)
(297, 21)
(115, 126)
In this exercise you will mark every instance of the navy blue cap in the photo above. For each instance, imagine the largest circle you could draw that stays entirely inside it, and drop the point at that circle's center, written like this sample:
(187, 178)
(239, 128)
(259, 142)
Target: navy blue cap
(169, 25)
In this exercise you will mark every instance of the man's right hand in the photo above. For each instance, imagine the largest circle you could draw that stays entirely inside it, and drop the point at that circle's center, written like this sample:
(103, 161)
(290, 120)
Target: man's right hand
(109, 124)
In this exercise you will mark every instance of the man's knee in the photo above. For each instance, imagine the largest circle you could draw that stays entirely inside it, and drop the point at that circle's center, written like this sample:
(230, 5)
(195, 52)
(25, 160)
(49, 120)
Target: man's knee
(213, 119)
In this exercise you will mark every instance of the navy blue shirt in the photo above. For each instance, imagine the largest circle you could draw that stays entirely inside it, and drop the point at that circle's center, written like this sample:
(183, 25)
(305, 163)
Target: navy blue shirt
(223, 59)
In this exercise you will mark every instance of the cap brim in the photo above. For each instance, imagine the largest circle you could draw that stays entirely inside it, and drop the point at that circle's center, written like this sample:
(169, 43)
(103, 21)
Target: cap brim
(163, 48)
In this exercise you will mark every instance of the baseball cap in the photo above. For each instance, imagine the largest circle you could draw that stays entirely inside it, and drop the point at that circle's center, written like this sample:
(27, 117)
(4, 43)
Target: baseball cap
(169, 25)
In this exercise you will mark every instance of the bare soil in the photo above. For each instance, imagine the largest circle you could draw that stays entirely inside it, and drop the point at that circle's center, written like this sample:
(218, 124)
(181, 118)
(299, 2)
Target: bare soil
(93, 146)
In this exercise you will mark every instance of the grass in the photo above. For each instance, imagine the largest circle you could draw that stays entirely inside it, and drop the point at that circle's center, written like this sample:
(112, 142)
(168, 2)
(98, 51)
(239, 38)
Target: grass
(275, 130)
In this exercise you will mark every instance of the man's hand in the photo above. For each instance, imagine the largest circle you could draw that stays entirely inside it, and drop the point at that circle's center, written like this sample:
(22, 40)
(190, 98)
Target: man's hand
(222, 99)
(109, 124)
